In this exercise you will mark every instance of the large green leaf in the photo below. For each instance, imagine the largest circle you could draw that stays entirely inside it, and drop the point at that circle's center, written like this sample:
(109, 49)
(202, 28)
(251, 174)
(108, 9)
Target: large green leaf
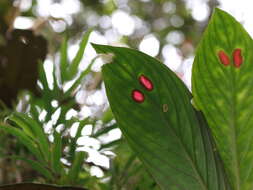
(169, 136)
(222, 90)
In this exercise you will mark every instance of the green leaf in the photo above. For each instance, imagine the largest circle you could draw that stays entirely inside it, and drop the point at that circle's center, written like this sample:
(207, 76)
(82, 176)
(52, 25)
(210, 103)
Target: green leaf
(169, 136)
(104, 130)
(43, 78)
(36, 166)
(223, 93)
(73, 68)
(110, 144)
(73, 145)
(78, 81)
(56, 90)
(76, 167)
(64, 60)
(107, 116)
(22, 124)
(56, 153)
(127, 168)
(41, 138)
(24, 139)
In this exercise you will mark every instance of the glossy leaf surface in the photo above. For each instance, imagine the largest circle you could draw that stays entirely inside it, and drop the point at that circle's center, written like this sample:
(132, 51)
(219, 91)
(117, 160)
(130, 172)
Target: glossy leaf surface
(222, 89)
(168, 135)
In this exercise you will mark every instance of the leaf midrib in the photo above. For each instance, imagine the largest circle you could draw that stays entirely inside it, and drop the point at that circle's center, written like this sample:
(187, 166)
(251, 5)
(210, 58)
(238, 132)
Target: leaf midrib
(234, 135)
(233, 118)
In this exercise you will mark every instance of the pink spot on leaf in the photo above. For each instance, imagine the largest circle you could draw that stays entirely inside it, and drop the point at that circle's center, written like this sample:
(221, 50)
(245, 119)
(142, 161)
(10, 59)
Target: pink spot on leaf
(237, 58)
(138, 96)
(146, 82)
(224, 59)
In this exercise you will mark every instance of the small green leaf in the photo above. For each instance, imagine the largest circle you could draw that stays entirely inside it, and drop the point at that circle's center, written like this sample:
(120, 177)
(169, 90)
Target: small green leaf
(104, 130)
(110, 144)
(56, 90)
(127, 168)
(78, 81)
(76, 166)
(43, 77)
(73, 68)
(222, 90)
(73, 144)
(64, 60)
(56, 153)
(36, 166)
(160, 124)
(24, 139)
(107, 116)
(22, 124)
(38, 132)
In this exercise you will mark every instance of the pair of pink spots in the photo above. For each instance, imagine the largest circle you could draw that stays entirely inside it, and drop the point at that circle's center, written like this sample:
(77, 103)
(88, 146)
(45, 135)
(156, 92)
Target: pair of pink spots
(137, 95)
(237, 58)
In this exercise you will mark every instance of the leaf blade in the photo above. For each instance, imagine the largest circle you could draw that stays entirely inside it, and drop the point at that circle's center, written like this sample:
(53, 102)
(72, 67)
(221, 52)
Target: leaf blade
(36, 166)
(57, 153)
(76, 166)
(226, 104)
(25, 140)
(73, 68)
(64, 59)
(38, 132)
(23, 125)
(153, 127)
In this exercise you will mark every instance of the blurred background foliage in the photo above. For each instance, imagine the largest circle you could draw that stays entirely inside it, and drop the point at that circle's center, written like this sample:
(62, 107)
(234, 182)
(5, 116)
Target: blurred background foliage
(56, 124)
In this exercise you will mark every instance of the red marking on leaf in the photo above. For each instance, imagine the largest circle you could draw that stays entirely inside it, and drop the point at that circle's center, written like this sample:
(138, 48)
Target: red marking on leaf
(146, 82)
(237, 57)
(224, 59)
(138, 96)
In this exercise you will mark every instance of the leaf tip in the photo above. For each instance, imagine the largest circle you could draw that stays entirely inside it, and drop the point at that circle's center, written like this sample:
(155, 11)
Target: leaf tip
(219, 11)
(221, 14)
(97, 47)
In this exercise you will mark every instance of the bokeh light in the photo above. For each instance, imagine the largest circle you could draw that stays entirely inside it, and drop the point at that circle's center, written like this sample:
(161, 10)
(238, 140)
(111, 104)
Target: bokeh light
(150, 45)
